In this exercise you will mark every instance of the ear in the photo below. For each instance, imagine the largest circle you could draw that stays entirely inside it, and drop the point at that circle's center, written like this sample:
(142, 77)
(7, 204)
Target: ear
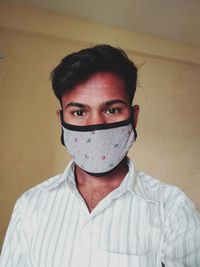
(135, 111)
(58, 116)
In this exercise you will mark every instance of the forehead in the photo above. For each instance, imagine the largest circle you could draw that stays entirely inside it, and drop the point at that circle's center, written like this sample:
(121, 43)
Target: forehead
(100, 87)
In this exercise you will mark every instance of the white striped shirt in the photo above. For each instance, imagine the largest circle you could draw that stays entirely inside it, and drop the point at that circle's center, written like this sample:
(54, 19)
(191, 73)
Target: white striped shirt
(141, 223)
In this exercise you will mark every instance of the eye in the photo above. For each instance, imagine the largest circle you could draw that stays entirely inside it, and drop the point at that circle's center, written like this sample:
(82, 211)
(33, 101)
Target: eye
(78, 113)
(112, 111)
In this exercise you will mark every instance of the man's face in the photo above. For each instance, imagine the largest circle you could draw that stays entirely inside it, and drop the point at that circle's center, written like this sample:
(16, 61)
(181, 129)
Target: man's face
(100, 99)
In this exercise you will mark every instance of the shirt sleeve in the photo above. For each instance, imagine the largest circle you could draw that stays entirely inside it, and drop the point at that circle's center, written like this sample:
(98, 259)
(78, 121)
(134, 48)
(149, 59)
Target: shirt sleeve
(12, 251)
(182, 235)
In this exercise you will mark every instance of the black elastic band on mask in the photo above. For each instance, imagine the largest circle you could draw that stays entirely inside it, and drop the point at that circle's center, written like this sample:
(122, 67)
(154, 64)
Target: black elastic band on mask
(94, 127)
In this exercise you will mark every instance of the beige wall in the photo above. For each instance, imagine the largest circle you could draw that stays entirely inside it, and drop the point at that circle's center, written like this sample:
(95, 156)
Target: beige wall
(33, 41)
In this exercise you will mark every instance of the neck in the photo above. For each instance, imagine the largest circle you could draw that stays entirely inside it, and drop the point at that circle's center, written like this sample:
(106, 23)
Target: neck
(111, 179)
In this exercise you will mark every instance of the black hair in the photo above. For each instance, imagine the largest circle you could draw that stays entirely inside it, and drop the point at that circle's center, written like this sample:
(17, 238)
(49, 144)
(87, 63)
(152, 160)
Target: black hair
(80, 66)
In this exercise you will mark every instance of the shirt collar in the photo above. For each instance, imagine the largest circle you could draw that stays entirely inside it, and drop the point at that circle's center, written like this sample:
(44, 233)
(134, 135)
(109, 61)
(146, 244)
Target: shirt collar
(131, 182)
(134, 185)
(67, 177)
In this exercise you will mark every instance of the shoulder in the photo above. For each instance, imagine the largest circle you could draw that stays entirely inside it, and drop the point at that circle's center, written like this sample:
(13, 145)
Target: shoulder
(156, 188)
(49, 187)
(37, 196)
(170, 198)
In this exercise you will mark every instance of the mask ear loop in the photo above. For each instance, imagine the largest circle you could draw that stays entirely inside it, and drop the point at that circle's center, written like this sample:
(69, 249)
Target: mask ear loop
(133, 122)
(62, 137)
(62, 132)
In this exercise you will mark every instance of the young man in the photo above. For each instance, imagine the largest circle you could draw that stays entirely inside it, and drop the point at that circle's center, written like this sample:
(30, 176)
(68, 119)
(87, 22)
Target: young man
(101, 211)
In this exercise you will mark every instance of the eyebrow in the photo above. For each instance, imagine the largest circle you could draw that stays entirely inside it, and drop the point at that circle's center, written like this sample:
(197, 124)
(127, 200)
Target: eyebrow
(106, 104)
(76, 104)
(115, 101)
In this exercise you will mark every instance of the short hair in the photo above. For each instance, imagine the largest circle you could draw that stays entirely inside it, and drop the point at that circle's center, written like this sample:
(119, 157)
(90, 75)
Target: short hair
(80, 66)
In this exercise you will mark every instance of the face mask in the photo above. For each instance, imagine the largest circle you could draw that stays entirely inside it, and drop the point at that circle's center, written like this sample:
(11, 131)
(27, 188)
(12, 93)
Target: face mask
(98, 148)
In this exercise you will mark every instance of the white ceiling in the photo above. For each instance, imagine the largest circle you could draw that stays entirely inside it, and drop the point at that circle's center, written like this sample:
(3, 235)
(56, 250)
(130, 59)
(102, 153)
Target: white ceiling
(177, 20)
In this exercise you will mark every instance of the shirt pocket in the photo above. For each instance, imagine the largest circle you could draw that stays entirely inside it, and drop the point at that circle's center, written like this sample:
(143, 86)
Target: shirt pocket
(112, 259)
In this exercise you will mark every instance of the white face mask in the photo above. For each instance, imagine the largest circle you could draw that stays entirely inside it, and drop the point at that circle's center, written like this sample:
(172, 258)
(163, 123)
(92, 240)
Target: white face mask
(98, 148)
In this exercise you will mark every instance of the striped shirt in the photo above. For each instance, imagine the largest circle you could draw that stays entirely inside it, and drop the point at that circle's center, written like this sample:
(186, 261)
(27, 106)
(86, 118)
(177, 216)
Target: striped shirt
(142, 223)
